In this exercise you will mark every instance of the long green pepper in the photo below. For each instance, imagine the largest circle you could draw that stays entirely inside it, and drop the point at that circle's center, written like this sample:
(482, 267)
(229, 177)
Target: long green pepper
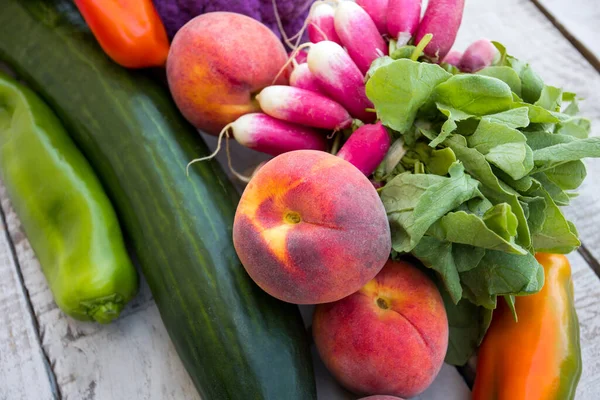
(67, 217)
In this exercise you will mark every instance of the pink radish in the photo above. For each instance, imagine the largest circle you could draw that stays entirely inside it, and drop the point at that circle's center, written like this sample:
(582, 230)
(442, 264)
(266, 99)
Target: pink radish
(377, 10)
(453, 58)
(271, 136)
(340, 78)
(302, 78)
(403, 19)
(359, 35)
(366, 148)
(479, 54)
(299, 57)
(321, 26)
(442, 19)
(303, 107)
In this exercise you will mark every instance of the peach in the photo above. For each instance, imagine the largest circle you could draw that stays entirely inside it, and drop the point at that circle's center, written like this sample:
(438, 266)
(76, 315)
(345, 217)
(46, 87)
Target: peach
(390, 337)
(218, 61)
(310, 228)
(376, 397)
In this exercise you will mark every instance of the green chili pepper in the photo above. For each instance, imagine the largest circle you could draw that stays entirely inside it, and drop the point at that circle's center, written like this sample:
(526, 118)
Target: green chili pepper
(63, 209)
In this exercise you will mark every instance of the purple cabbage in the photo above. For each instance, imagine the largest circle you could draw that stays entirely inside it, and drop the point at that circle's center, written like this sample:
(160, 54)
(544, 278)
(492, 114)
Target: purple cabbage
(175, 13)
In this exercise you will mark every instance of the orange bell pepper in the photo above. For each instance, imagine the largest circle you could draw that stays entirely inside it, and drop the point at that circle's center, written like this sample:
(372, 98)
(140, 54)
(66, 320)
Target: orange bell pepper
(538, 357)
(129, 31)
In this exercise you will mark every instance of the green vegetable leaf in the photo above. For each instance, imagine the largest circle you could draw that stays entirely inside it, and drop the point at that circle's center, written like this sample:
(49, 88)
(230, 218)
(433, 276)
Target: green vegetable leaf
(440, 161)
(556, 234)
(550, 98)
(495, 231)
(558, 195)
(536, 213)
(504, 147)
(531, 83)
(474, 94)
(413, 202)
(568, 176)
(506, 75)
(400, 88)
(501, 273)
(437, 255)
(537, 114)
(552, 156)
(514, 118)
(468, 324)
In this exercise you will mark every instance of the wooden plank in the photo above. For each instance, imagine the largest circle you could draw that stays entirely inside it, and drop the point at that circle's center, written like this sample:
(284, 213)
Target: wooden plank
(132, 358)
(25, 372)
(587, 297)
(577, 20)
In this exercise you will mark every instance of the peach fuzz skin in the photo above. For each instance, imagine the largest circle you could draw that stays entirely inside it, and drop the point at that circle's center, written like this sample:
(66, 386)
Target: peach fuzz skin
(390, 337)
(381, 398)
(218, 61)
(310, 228)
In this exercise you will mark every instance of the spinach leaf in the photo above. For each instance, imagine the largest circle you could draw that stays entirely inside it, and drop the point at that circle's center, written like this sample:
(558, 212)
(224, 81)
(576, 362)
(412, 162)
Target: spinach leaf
(474, 94)
(413, 202)
(501, 273)
(514, 118)
(552, 156)
(556, 234)
(568, 176)
(506, 75)
(468, 324)
(398, 89)
(504, 147)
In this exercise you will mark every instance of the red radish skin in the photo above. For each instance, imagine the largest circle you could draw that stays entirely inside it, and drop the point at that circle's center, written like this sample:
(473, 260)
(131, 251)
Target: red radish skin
(453, 58)
(271, 136)
(479, 54)
(299, 57)
(403, 19)
(303, 107)
(377, 10)
(366, 147)
(340, 78)
(359, 35)
(321, 26)
(442, 19)
(302, 78)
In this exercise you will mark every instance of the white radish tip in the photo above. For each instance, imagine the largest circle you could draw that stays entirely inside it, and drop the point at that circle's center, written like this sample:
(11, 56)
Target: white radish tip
(322, 10)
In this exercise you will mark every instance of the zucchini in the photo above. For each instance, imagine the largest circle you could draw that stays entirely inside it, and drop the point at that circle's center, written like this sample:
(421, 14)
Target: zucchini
(235, 341)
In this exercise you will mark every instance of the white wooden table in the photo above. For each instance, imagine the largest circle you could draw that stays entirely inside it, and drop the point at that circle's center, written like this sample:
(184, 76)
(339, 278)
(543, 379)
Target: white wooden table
(46, 355)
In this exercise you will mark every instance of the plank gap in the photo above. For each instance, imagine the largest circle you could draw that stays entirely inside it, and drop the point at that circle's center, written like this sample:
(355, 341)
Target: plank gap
(36, 328)
(589, 259)
(585, 52)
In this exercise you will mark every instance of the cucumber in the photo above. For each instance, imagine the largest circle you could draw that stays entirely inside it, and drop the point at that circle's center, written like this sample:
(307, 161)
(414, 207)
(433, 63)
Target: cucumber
(235, 341)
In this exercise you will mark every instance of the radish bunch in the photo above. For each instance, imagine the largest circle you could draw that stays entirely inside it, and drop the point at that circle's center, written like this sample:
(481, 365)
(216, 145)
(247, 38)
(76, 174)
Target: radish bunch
(327, 86)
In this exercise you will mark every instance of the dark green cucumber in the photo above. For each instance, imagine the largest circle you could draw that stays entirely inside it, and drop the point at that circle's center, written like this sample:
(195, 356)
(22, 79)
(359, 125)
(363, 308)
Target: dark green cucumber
(235, 341)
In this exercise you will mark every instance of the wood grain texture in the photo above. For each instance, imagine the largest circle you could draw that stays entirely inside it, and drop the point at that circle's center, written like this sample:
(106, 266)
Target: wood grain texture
(578, 19)
(587, 303)
(132, 358)
(24, 369)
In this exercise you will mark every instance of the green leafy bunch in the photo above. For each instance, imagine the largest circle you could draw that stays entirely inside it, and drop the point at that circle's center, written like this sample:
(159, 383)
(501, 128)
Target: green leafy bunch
(481, 165)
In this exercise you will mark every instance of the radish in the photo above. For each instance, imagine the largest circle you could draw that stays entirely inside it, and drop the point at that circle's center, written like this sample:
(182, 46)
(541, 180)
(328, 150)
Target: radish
(453, 58)
(340, 78)
(268, 135)
(359, 35)
(442, 19)
(321, 26)
(403, 19)
(302, 78)
(377, 10)
(366, 148)
(479, 54)
(303, 107)
(299, 57)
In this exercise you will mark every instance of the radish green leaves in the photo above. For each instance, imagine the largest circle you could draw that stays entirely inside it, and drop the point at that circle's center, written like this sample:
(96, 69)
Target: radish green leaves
(489, 159)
